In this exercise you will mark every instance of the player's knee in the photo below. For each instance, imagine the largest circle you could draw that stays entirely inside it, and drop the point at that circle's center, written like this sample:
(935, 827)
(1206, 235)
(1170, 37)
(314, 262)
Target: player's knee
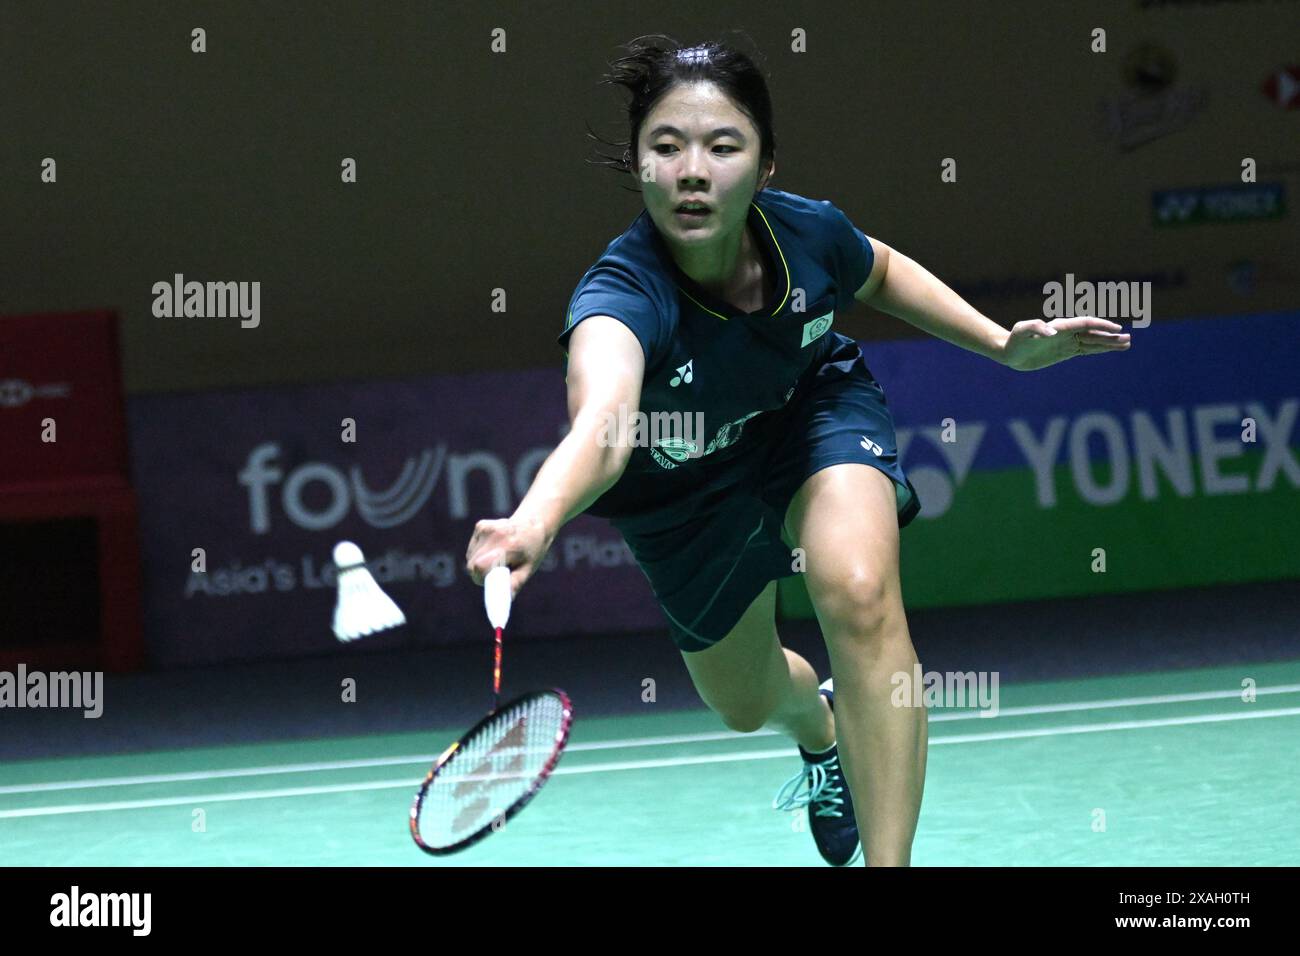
(856, 604)
(745, 720)
(746, 713)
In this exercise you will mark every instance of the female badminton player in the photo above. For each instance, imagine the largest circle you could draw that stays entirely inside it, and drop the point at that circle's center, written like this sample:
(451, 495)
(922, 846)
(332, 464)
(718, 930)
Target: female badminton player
(719, 299)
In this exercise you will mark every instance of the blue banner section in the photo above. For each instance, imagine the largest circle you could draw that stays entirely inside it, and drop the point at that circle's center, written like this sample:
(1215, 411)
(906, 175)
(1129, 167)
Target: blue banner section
(1173, 366)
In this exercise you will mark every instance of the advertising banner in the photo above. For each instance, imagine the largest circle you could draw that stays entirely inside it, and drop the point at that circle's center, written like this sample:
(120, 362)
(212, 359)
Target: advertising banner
(266, 482)
(1173, 464)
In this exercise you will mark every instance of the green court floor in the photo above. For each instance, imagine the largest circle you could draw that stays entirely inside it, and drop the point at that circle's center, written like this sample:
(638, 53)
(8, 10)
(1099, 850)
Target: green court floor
(1184, 771)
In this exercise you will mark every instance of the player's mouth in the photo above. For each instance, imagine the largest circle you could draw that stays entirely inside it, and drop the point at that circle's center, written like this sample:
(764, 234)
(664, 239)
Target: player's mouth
(693, 211)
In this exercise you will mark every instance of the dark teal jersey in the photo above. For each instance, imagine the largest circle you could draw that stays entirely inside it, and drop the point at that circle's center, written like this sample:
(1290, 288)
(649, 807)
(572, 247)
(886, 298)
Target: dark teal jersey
(708, 361)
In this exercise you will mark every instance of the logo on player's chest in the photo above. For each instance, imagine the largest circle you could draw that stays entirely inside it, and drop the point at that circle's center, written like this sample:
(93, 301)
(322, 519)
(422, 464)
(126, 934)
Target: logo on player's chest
(815, 328)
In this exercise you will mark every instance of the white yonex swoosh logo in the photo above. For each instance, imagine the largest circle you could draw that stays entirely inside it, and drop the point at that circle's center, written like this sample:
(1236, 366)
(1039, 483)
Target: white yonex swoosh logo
(684, 374)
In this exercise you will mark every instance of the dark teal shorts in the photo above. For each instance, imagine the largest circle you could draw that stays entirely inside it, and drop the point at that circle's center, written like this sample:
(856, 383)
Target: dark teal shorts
(709, 555)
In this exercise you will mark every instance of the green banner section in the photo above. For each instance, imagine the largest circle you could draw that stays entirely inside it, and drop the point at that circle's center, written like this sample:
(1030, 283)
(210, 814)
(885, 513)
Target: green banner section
(995, 543)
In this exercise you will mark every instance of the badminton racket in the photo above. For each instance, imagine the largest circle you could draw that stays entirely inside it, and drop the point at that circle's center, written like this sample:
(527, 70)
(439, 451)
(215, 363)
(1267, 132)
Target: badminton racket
(491, 773)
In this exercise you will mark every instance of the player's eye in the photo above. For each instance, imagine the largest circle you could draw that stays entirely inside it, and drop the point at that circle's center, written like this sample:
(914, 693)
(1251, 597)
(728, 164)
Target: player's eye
(670, 146)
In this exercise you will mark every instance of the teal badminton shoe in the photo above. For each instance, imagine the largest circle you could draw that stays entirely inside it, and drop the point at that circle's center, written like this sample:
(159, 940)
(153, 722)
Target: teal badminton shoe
(830, 806)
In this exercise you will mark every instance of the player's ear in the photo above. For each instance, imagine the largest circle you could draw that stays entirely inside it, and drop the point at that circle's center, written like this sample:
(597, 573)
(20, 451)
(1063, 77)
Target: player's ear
(767, 177)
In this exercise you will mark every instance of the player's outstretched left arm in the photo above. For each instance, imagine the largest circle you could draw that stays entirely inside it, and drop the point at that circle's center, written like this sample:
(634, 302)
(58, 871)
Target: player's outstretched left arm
(902, 287)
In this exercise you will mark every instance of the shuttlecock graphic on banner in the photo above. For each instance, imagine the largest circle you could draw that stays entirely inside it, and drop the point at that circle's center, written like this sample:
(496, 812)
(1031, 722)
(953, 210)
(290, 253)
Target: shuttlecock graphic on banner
(362, 607)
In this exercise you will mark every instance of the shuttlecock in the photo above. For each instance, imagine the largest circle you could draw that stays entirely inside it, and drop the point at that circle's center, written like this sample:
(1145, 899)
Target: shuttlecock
(362, 607)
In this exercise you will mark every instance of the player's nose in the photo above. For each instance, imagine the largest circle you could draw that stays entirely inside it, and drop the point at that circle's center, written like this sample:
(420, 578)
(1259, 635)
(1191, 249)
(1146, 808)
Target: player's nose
(692, 169)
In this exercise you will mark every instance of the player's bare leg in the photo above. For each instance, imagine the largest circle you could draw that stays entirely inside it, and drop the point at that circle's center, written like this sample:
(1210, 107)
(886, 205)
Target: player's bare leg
(845, 519)
(752, 682)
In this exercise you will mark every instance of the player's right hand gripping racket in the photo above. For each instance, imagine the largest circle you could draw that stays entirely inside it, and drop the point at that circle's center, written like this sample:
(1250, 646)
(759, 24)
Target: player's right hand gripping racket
(490, 774)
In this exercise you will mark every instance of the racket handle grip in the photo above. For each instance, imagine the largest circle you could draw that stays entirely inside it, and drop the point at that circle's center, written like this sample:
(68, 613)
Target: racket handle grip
(496, 595)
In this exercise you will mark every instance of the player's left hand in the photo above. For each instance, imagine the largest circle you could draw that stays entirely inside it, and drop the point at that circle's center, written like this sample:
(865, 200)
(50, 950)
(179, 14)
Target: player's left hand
(1035, 344)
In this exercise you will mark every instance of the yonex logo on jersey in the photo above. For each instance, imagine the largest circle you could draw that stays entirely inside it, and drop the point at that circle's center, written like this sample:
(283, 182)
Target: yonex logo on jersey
(816, 328)
(684, 374)
(871, 446)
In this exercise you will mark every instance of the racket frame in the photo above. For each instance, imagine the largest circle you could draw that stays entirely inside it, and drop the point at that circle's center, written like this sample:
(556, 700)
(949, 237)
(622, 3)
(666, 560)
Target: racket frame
(543, 775)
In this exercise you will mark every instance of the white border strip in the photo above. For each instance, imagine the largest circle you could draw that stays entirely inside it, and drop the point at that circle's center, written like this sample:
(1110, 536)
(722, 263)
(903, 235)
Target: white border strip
(784, 752)
(936, 717)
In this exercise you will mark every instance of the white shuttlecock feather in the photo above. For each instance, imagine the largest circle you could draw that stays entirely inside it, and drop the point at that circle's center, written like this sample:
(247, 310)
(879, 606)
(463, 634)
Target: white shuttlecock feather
(362, 607)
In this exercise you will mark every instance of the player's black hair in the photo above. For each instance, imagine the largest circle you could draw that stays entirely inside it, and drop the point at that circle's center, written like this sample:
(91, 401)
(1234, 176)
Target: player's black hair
(655, 64)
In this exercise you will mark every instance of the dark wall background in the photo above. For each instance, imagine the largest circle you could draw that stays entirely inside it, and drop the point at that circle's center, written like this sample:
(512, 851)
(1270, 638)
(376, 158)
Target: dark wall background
(225, 165)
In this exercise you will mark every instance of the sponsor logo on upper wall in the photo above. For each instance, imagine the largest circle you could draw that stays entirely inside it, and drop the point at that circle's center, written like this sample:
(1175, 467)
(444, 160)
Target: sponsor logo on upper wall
(1238, 202)
(1283, 87)
(1152, 104)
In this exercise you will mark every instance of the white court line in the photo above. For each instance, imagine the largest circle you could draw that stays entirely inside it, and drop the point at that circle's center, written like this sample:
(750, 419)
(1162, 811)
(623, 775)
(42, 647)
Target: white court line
(426, 759)
(628, 765)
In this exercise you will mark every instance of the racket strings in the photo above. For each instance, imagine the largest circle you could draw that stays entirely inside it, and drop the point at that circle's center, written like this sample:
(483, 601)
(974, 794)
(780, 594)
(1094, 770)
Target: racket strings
(491, 771)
